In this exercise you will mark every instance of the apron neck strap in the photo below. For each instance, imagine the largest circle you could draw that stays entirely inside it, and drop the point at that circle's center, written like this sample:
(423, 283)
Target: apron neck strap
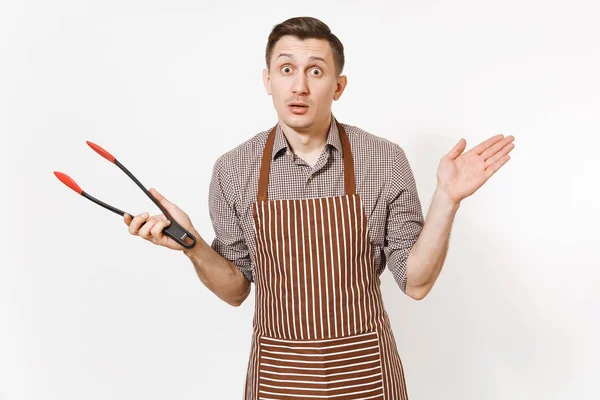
(265, 166)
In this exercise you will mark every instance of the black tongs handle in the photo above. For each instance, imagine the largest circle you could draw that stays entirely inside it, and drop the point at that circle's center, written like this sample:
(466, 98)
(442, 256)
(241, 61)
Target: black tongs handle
(174, 230)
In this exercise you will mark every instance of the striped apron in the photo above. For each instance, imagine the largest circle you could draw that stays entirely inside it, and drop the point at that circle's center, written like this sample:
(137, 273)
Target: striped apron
(320, 330)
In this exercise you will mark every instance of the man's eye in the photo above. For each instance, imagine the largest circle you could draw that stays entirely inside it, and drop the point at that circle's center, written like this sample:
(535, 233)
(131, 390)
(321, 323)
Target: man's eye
(319, 72)
(286, 69)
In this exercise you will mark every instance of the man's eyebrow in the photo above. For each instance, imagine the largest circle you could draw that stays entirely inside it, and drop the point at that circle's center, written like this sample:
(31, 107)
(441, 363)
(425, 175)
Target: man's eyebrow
(310, 58)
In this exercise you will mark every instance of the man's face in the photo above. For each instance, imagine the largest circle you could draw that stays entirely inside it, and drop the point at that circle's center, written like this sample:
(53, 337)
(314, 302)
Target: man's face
(303, 71)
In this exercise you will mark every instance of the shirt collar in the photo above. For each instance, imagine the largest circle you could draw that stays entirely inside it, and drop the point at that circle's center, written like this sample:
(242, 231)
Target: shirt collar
(333, 139)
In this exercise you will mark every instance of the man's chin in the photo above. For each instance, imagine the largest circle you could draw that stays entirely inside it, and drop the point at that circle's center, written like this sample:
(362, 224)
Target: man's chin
(298, 122)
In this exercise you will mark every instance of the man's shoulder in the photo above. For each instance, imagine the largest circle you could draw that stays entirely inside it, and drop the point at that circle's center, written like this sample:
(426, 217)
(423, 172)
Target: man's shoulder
(367, 144)
(246, 152)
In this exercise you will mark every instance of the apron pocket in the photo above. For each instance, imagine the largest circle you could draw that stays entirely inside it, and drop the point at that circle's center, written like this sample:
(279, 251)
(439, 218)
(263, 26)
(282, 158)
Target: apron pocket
(342, 368)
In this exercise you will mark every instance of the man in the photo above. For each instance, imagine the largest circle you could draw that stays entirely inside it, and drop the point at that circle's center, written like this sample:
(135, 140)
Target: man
(312, 211)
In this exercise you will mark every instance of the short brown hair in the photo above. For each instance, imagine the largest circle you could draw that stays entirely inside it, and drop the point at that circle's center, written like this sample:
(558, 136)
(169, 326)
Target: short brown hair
(306, 28)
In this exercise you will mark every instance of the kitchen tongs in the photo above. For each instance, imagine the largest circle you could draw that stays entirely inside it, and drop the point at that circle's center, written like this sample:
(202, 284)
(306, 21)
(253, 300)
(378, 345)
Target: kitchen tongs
(174, 230)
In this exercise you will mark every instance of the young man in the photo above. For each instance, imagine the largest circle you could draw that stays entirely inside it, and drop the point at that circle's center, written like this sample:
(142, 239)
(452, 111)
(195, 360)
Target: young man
(312, 211)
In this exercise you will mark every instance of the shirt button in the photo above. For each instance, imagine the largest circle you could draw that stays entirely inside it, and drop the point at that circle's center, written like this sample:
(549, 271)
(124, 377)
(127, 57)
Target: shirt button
(310, 178)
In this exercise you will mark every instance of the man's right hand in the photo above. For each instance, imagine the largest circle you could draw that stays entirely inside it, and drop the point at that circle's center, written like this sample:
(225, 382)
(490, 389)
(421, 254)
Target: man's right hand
(217, 273)
(150, 228)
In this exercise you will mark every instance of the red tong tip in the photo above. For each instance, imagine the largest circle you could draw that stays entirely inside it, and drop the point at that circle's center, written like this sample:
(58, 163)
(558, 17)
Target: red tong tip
(68, 181)
(101, 151)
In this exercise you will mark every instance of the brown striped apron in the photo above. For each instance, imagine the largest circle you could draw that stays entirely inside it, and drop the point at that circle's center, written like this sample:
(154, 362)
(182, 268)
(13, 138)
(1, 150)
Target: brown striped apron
(320, 330)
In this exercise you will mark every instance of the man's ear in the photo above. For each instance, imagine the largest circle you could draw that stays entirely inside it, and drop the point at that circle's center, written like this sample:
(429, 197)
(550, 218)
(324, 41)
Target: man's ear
(267, 81)
(341, 85)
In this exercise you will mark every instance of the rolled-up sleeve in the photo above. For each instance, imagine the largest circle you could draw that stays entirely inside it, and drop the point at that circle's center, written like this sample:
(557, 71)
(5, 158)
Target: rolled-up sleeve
(404, 220)
(229, 239)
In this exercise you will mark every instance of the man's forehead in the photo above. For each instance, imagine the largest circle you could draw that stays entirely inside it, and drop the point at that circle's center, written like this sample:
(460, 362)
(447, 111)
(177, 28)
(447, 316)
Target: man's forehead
(293, 48)
(293, 57)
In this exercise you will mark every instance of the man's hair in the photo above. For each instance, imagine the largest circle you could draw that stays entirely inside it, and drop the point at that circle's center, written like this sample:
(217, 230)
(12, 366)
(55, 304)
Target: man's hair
(306, 28)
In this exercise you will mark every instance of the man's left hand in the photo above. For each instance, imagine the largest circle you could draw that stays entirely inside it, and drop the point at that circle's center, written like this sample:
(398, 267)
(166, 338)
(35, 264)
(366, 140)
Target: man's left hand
(460, 175)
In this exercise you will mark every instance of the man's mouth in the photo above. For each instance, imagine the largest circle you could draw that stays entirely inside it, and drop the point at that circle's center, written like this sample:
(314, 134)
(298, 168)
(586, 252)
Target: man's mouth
(298, 108)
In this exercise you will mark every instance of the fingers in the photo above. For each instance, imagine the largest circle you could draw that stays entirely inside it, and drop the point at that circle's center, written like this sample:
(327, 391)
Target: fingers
(136, 223)
(497, 152)
(480, 148)
(498, 146)
(152, 230)
(149, 228)
(163, 200)
(492, 169)
(157, 230)
(457, 149)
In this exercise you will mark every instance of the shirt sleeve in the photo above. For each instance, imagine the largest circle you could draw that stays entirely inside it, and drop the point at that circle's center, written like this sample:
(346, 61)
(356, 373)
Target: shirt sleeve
(404, 220)
(229, 239)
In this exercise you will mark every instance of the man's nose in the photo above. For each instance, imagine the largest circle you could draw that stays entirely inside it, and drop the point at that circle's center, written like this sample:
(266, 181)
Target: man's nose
(300, 85)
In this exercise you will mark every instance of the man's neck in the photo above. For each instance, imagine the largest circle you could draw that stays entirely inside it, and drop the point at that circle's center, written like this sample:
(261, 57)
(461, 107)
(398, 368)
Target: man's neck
(309, 143)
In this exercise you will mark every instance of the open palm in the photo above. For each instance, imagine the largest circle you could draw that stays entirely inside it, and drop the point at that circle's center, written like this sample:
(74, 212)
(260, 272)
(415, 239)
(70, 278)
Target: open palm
(460, 175)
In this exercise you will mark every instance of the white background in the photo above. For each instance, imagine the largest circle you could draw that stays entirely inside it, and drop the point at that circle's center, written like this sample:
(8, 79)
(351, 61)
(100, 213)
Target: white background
(88, 311)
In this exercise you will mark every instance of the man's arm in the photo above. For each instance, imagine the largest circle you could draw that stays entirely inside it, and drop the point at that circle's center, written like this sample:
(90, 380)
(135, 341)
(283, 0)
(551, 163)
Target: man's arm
(225, 267)
(459, 175)
(218, 274)
(429, 251)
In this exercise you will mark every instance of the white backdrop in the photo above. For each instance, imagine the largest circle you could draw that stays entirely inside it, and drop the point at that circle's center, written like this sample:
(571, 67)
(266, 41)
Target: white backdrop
(88, 311)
